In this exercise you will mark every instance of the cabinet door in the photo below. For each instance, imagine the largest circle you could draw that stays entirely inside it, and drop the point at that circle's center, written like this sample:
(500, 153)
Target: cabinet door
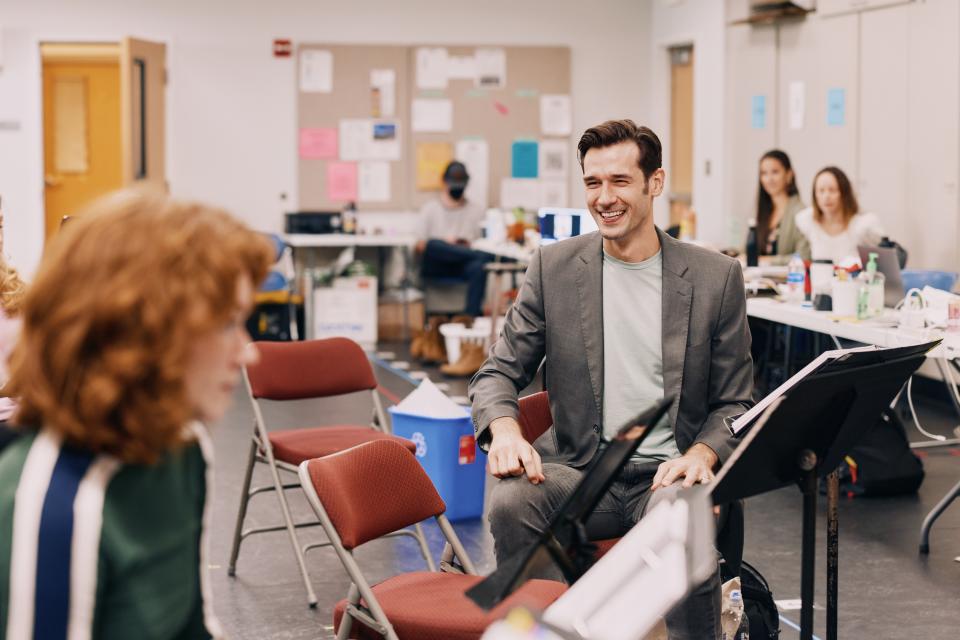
(751, 74)
(933, 152)
(823, 55)
(883, 134)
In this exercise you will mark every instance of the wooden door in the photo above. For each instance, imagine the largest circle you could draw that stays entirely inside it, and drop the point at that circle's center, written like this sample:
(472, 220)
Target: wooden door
(681, 134)
(143, 80)
(81, 125)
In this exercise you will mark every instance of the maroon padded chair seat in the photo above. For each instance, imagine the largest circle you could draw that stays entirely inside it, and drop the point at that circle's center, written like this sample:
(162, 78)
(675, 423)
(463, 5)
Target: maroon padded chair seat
(293, 446)
(432, 606)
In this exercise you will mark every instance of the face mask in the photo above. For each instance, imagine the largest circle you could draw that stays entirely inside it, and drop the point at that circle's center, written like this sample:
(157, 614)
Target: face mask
(456, 192)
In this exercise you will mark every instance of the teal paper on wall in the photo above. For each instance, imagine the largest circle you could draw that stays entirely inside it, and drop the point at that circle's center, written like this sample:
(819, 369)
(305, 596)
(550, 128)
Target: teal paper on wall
(758, 112)
(524, 157)
(836, 107)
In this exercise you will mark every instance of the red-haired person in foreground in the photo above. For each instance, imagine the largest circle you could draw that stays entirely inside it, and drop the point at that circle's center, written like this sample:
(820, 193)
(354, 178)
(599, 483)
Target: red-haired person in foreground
(133, 337)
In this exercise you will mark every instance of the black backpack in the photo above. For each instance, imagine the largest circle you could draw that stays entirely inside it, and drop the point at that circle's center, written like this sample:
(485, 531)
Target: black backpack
(881, 463)
(758, 602)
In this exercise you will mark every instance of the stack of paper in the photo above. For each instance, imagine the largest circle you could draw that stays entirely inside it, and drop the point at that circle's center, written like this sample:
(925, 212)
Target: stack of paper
(429, 402)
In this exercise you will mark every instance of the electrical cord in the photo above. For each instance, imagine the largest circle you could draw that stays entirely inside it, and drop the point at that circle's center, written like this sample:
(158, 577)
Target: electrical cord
(913, 414)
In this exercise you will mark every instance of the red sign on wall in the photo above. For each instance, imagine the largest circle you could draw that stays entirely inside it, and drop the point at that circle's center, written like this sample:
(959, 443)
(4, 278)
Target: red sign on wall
(282, 48)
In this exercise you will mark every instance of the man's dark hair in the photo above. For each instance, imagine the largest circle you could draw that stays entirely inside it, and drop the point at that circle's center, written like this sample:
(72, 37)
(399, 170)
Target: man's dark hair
(614, 131)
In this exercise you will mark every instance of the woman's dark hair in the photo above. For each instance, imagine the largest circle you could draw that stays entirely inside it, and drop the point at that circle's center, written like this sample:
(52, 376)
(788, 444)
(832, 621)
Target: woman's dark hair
(615, 131)
(765, 202)
(848, 201)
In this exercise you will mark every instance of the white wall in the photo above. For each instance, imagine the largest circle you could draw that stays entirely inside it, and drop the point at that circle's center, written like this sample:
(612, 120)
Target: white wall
(231, 105)
(702, 24)
(900, 143)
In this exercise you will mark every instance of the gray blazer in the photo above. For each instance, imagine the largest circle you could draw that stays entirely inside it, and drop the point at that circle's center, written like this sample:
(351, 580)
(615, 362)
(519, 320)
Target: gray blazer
(558, 315)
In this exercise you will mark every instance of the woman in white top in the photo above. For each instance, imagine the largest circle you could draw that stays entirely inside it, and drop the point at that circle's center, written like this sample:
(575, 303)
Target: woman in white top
(834, 225)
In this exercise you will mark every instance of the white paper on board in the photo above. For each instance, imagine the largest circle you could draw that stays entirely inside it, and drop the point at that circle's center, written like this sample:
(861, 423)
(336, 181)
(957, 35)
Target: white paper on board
(355, 135)
(461, 68)
(475, 154)
(553, 160)
(373, 181)
(316, 71)
(432, 68)
(555, 116)
(434, 115)
(385, 82)
(368, 139)
(491, 68)
(553, 193)
(797, 102)
(520, 192)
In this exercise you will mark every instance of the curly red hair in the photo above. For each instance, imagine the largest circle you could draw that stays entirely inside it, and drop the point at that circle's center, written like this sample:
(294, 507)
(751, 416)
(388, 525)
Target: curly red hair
(109, 321)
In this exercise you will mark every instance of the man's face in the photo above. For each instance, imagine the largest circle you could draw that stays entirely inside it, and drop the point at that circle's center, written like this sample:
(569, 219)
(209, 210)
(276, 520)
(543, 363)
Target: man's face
(619, 198)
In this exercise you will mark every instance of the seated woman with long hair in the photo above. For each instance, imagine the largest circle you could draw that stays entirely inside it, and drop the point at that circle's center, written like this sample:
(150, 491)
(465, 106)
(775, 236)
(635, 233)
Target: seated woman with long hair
(133, 337)
(834, 225)
(778, 202)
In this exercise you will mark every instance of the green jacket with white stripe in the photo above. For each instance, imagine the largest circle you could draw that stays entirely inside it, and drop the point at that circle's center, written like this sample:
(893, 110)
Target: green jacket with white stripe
(92, 548)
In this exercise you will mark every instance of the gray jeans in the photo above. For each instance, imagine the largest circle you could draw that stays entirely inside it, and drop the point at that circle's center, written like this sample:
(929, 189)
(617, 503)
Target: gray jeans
(518, 511)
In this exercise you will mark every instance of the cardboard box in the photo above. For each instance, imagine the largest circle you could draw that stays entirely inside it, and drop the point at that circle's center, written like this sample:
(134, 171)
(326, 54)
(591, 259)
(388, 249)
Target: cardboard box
(390, 319)
(348, 309)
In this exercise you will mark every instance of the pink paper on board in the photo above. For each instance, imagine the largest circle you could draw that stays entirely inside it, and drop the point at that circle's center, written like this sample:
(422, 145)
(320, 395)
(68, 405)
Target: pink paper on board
(318, 143)
(342, 181)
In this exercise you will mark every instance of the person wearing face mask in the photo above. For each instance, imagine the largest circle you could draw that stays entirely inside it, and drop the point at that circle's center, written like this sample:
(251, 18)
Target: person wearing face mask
(778, 202)
(133, 340)
(834, 225)
(448, 225)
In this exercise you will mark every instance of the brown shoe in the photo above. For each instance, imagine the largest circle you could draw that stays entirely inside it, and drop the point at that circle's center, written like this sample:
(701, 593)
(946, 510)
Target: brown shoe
(416, 345)
(472, 357)
(433, 348)
(465, 320)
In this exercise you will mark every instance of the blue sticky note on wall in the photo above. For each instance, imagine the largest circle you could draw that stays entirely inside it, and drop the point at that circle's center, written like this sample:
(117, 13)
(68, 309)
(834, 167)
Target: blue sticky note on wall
(836, 107)
(524, 155)
(758, 112)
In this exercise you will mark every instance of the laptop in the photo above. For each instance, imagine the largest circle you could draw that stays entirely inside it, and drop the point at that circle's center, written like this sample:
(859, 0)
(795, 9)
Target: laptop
(560, 223)
(889, 265)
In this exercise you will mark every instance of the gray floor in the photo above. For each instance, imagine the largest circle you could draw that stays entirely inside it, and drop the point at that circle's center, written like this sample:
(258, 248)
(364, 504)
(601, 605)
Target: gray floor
(886, 589)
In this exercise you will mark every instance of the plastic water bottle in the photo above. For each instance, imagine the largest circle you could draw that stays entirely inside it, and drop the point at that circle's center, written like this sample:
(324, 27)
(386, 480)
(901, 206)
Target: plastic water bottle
(796, 276)
(737, 608)
(752, 249)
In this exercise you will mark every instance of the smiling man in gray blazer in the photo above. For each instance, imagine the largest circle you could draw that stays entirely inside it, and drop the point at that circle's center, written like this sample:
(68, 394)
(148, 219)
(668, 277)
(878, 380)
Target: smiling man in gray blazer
(623, 317)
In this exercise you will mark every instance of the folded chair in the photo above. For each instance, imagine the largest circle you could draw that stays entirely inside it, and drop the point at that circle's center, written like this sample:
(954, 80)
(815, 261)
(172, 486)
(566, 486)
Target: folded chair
(296, 371)
(377, 487)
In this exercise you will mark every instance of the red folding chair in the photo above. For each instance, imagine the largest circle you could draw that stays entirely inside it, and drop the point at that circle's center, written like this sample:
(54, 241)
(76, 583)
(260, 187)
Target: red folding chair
(356, 505)
(296, 371)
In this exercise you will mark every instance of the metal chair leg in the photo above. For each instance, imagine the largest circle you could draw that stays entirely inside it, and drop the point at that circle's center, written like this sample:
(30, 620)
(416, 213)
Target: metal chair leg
(933, 515)
(346, 622)
(424, 549)
(242, 511)
(291, 529)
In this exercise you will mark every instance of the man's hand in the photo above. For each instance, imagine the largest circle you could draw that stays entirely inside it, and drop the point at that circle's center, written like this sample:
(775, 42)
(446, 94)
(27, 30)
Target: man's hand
(510, 454)
(696, 465)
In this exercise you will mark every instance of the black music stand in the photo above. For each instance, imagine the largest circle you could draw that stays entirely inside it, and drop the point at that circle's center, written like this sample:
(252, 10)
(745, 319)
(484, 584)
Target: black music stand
(565, 539)
(804, 435)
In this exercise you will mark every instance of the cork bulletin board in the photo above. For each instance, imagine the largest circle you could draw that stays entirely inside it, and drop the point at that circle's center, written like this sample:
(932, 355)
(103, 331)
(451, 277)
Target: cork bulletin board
(420, 106)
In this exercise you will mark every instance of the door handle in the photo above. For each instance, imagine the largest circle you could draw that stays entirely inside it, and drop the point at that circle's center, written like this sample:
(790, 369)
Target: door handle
(51, 180)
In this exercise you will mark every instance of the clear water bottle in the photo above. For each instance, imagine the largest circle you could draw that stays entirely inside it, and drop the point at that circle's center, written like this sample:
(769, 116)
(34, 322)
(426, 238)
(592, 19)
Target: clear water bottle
(796, 278)
(743, 631)
(753, 250)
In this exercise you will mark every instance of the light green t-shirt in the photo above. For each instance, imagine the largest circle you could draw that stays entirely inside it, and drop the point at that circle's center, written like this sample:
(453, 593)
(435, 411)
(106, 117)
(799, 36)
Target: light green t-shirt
(632, 353)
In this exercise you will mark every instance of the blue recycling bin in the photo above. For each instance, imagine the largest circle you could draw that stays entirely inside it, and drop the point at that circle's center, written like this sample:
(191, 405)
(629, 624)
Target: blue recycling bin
(449, 454)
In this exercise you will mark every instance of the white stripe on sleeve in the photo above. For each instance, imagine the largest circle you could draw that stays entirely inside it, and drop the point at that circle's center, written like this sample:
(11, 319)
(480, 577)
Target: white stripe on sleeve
(28, 508)
(85, 545)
